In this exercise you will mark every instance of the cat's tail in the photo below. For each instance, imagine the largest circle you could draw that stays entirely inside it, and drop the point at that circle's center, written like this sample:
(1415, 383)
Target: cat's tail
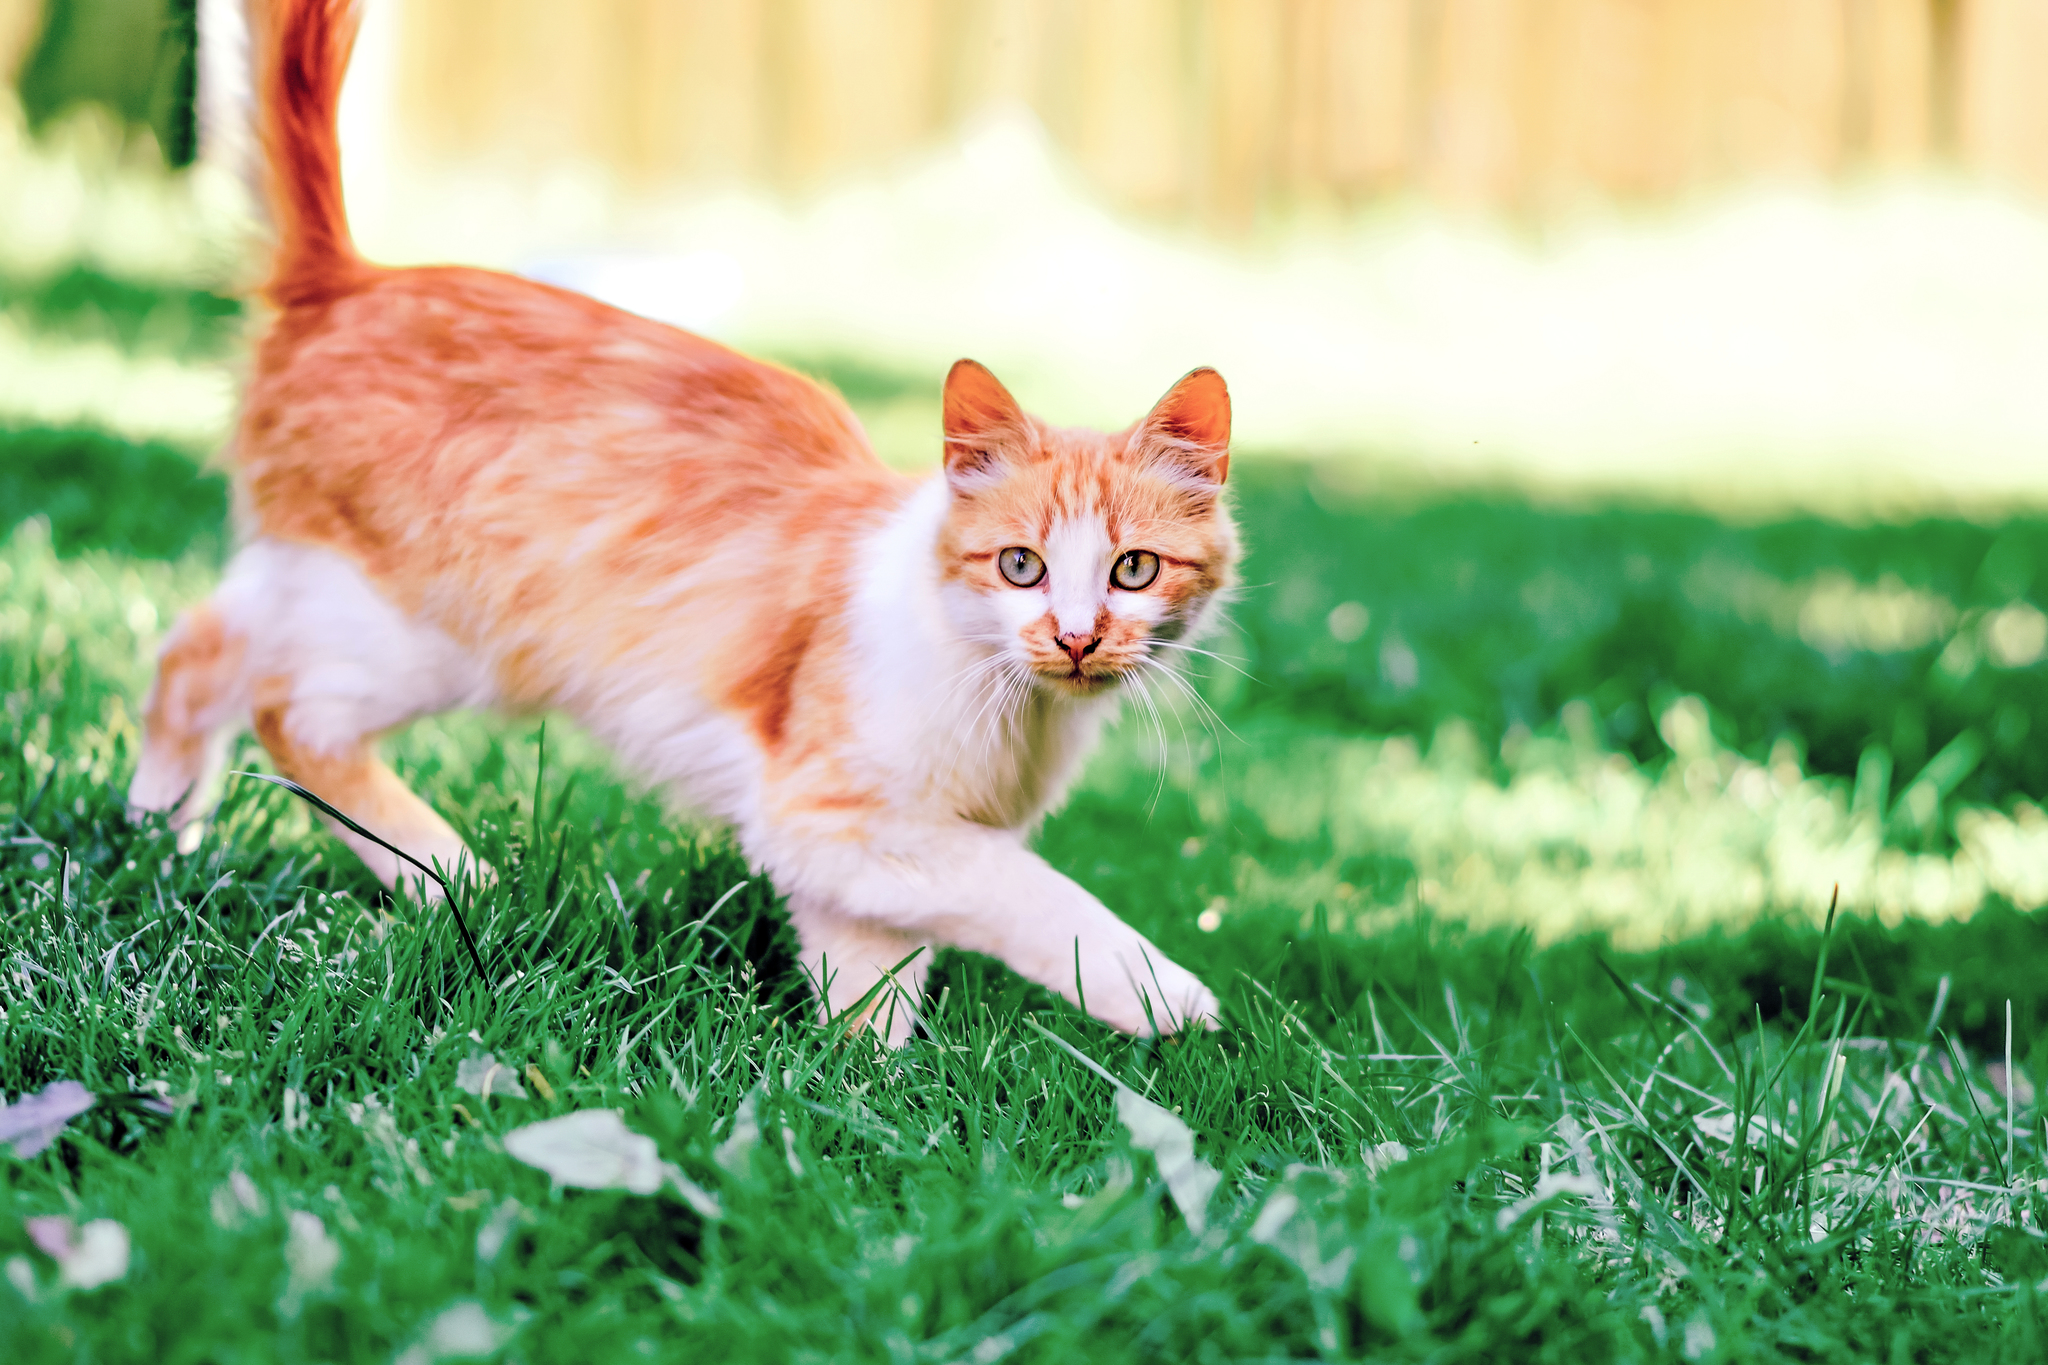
(306, 46)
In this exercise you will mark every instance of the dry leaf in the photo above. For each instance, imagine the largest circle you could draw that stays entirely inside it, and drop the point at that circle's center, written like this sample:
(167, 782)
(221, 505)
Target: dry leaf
(485, 1076)
(32, 1122)
(734, 1155)
(498, 1229)
(591, 1149)
(1548, 1188)
(1381, 1155)
(312, 1257)
(397, 1154)
(236, 1199)
(1290, 1223)
(1189, 1179)
(1720, 1127)
(462, 1330)
(87, 1257)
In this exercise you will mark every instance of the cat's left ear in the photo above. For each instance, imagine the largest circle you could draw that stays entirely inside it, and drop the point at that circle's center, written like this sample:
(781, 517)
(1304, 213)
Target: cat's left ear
(980, 416)
(1190, 427)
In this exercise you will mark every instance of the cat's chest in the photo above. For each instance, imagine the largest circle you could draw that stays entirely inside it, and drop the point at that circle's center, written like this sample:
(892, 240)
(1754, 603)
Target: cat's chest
(1012, 768)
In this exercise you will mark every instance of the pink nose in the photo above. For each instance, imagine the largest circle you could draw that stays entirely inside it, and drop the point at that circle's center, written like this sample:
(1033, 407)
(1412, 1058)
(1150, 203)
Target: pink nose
(1079, 645)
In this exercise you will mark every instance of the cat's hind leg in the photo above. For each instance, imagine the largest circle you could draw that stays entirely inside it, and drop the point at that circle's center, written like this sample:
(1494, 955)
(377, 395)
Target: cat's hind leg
(201, 692)
(348, 774)
(299, 643)
(334, 665)
(847, 959)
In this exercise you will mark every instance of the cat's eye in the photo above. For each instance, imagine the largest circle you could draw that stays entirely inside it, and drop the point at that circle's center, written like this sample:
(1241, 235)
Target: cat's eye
(1135, 571)
(1023, 568)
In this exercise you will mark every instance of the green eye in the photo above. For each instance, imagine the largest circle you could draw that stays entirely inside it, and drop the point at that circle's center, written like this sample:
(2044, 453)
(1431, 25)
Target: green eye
(1135, 571)
(1022, 567)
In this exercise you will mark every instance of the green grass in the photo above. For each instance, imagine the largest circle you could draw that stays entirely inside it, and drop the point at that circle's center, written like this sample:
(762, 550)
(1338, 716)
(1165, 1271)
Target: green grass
(81, 304)
(1757, 1120)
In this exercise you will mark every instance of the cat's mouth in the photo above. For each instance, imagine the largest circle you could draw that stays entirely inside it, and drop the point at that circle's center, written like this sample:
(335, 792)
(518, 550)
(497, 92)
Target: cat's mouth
(1074, 682)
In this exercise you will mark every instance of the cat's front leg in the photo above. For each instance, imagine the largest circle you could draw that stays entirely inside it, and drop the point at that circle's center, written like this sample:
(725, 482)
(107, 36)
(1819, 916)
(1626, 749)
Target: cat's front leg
(1067, 940)
(979, 888)
(863, 971)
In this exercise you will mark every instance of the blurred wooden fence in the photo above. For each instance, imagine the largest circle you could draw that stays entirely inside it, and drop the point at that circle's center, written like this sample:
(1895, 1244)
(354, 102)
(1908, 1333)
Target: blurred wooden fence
(1222, 109)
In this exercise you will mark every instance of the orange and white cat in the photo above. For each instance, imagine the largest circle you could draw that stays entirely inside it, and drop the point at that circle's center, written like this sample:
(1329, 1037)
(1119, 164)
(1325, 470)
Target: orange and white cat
(461, 488)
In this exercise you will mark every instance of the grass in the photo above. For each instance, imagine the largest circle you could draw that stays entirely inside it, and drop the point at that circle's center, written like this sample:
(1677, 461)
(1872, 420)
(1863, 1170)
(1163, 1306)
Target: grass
(1787, 1137)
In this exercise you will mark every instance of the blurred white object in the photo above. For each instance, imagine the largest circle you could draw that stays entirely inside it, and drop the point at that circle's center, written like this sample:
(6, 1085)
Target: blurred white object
(1798, 344)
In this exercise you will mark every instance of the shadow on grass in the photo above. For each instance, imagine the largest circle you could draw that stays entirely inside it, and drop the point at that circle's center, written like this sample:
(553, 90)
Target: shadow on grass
(101, 492)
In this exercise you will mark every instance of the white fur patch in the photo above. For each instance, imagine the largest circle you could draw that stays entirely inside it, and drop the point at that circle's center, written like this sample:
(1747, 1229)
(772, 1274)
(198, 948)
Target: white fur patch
(358, 664)
(1078, 553)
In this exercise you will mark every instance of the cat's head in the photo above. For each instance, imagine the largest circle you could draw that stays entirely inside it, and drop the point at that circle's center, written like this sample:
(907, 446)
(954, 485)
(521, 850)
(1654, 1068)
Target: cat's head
(1078, 555)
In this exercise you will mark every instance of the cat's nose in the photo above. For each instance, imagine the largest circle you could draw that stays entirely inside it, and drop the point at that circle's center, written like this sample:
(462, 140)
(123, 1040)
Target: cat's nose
(1079, 644)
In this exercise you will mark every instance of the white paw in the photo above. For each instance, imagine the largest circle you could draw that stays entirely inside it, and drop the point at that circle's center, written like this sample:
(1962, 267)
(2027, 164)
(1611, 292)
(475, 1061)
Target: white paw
(160, 786)
(1188, 1005)
(1157, 995)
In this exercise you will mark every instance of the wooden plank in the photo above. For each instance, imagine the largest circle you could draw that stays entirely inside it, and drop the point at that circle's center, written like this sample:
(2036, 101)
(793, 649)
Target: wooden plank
(1225, 110)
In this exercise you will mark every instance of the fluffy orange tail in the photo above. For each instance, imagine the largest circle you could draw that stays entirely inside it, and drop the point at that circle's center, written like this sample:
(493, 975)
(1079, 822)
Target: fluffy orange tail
(306, 46)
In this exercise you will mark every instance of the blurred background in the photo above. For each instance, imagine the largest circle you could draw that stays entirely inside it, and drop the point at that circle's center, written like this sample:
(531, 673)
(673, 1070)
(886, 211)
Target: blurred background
(1756, 252)
(1642, 442)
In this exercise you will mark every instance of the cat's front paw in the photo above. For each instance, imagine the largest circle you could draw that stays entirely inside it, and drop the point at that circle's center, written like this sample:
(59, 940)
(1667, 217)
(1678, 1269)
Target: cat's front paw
(1197, 1008)
(1159, 996)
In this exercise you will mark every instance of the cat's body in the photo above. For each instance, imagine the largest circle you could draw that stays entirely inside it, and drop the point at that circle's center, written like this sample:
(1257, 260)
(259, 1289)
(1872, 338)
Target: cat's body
(459, 488)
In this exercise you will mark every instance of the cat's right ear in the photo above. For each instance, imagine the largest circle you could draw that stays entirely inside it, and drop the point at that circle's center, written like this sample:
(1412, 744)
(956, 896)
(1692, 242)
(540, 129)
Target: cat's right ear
(980, 416)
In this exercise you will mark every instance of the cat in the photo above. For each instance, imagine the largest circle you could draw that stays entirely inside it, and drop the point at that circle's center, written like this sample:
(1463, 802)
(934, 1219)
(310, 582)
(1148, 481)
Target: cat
(459, 488)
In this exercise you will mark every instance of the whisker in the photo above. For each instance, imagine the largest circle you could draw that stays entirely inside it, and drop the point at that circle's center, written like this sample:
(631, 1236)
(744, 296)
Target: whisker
(1228, 663)
(991, 675)
(1151, 704)
(999, 706)
(1208, 713)
(1187, 742)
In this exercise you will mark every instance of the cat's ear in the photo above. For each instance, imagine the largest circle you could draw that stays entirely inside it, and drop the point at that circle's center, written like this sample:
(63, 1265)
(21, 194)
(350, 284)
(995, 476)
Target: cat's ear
(1190, 427)
(980, 415)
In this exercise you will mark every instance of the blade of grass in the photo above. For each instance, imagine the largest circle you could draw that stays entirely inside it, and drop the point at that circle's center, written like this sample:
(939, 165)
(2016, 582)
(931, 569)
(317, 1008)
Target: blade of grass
(447, 892)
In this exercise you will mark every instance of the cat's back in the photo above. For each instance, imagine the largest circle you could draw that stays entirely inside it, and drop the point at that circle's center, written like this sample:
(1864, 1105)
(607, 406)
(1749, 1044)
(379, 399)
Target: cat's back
(437, 395)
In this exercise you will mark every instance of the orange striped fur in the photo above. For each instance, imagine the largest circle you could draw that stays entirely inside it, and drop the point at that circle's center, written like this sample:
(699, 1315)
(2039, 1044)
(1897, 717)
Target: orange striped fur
(461, 488)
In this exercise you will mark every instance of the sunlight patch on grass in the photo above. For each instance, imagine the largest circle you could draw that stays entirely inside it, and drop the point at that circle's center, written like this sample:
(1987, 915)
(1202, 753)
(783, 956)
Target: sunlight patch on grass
(1571, 838)
(1831, 612)
(95, 384)
(80, 193)
(111, 609)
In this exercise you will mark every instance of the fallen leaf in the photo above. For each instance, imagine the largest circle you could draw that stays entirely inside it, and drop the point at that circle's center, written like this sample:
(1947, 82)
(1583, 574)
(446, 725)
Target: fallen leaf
(591, 1149)
(498, 1229)
(87, 1257)
(1382, 1155)
(1548, 1188)
(484, 1076)
(696, 1196)
(32, 1122)
(1189, 1179)
(396, 1153)
(101, 1256)
(1720, 1127)
(53, 1235)
(734, 1155)
(464, 1329)
(312, 1257)
(1292, 1224)
(237, 1199)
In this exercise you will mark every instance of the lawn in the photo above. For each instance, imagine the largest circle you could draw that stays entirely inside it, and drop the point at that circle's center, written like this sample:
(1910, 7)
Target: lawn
(1508, 837)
